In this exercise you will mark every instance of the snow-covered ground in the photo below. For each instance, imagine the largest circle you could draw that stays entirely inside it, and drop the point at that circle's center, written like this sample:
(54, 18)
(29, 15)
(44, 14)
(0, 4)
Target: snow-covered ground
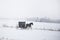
(16, 34)
(39, 31)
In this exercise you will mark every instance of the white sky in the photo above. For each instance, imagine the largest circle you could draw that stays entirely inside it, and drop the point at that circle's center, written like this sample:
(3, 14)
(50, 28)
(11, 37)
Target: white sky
(29, 8)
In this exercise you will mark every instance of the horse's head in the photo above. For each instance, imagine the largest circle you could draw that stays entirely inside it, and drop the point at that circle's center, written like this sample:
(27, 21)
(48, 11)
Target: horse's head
(31, 23)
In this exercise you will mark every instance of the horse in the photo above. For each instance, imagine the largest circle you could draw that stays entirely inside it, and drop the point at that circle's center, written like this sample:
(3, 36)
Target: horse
(29, 25)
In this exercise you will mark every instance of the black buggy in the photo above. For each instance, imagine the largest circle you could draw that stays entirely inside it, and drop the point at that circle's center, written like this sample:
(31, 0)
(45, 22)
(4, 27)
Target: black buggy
(24, 25)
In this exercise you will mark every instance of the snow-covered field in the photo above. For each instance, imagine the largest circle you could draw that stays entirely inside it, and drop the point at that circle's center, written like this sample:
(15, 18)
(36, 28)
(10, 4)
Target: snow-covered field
(39, 31)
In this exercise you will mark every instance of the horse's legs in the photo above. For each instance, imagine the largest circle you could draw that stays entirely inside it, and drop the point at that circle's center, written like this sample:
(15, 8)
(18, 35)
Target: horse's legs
(31, 27)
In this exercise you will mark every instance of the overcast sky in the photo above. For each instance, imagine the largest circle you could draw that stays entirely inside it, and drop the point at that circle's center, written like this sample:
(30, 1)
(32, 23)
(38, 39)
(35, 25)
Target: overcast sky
(29, 8)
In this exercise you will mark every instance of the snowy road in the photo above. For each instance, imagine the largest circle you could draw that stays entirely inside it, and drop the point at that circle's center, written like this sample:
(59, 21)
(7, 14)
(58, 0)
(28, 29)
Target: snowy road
(17, 34)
